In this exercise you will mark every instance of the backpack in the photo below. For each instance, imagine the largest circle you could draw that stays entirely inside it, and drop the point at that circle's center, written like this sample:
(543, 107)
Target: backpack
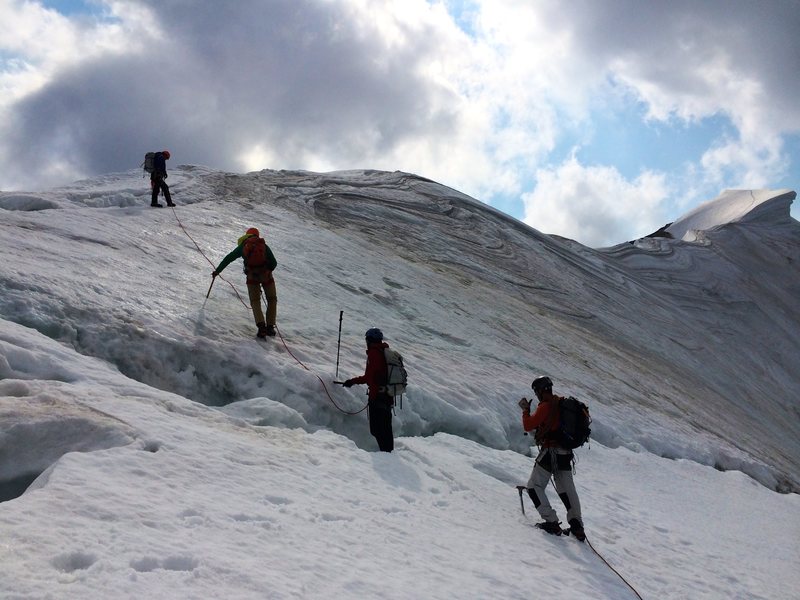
(396, 375)
(254, 252)
(149, 159)
(574, 421)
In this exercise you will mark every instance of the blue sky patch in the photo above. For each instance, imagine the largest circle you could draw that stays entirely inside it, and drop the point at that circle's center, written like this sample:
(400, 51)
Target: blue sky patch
(69, 8)
(463, 13)
(632, 145)
(792, 178)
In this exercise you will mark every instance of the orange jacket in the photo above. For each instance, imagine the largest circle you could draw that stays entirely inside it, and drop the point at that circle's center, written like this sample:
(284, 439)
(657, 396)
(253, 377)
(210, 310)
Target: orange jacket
(544, 420)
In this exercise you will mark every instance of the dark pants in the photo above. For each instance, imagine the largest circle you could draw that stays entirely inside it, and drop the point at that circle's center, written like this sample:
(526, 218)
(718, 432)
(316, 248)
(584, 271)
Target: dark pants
(380, 422)
(157, 184)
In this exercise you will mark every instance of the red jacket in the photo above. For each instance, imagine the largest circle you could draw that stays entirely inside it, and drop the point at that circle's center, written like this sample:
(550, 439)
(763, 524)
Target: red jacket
(375, 373)
(544, 420)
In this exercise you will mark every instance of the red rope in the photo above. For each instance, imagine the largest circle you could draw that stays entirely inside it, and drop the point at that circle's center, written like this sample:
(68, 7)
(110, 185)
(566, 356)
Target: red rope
(324, 387)
(213, 266)
(613, 569)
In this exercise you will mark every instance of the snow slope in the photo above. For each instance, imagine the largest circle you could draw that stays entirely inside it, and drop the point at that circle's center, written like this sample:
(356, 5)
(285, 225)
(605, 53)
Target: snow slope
(190, 503)
(175, 456)
(449, 280)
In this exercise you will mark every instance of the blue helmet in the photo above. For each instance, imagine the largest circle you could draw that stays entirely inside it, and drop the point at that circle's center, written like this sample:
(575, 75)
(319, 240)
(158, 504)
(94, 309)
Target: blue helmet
(374, 335)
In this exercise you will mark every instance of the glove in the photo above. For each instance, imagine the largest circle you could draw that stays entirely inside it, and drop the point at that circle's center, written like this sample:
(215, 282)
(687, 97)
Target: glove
(525, 404)
(348, 383)
(214, 273)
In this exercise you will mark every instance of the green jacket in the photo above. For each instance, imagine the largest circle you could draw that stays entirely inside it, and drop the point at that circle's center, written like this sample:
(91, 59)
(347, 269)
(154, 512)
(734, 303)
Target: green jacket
(237, 253)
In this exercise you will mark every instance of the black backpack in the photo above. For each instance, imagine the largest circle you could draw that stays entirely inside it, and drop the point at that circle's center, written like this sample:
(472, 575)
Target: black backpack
(574, 421)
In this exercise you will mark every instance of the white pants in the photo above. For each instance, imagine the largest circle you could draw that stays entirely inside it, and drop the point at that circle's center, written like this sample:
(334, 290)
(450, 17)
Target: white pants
(543, 469)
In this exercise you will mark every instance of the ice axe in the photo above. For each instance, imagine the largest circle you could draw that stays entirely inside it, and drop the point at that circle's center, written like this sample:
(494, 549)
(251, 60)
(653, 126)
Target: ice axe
(520, 489)
(213, 278)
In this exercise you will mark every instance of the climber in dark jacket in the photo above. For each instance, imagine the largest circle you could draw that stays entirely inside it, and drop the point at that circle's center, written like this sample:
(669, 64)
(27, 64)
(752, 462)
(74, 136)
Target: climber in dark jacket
(157, 178)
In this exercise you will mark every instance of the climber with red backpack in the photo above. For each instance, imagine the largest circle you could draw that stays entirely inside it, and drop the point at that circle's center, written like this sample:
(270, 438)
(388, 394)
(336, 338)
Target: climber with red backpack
(259, 262)
(560, 424)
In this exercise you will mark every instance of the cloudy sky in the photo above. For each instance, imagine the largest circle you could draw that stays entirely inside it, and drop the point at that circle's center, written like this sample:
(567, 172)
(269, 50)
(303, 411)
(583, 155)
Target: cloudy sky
(600, 120)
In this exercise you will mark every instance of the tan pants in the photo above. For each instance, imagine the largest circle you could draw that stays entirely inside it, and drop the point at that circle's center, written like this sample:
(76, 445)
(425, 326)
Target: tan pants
(254, 291)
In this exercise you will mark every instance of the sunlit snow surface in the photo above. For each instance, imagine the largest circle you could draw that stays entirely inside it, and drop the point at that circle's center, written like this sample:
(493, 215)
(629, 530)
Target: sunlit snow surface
(178, 457)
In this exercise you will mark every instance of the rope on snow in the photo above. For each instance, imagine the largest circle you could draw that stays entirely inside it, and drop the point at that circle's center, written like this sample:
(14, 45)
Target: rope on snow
(613, 569)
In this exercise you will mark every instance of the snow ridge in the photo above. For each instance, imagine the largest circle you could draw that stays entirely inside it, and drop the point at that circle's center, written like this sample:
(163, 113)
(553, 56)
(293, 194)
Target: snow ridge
(766, 207)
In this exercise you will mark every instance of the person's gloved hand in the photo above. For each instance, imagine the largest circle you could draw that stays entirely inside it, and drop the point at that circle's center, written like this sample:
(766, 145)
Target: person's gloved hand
(525, 404)
(214, 273)
(348, 383)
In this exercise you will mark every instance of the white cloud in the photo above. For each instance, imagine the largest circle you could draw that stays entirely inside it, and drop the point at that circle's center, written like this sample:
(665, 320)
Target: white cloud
(389, 84)
(337, 84)
(744, 163)
(689, 61)
(43, 43)
(595, 205)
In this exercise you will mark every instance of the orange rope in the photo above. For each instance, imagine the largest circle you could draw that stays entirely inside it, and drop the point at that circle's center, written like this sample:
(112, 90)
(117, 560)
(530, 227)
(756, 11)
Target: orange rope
(325, 387)
(213, 266)
(613, 569)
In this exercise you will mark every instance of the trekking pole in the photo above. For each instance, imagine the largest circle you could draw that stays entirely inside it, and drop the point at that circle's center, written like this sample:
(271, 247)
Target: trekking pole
(209, 287)
(339, 343)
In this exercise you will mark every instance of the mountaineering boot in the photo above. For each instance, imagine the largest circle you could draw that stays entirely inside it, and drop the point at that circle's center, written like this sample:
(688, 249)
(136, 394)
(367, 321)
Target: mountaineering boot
(271, 330)
(552, 527)
(576, 529)
(262, 330)
(170, 204)
(156, 205)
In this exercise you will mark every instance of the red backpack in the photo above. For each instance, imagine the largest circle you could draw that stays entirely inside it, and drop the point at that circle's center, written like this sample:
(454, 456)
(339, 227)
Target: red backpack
(254, 252)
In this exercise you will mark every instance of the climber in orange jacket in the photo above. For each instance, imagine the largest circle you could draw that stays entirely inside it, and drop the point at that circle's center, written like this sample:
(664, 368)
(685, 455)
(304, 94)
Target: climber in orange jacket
(552, 461)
